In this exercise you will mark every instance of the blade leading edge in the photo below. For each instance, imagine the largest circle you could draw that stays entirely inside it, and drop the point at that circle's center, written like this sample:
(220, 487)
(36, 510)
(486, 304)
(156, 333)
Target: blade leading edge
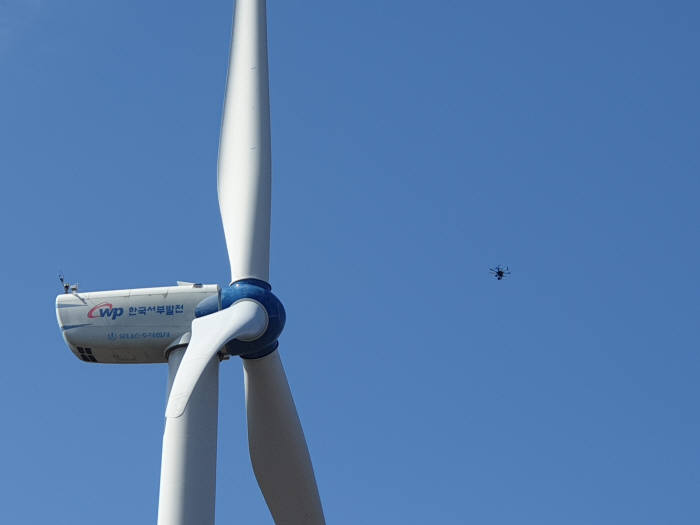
(244, 170)
(278, 450)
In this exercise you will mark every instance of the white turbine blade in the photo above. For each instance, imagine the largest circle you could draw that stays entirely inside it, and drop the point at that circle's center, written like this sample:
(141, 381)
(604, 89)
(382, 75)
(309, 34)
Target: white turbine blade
(188, 466)
(277, 445)
(243, 320)
(244, 148)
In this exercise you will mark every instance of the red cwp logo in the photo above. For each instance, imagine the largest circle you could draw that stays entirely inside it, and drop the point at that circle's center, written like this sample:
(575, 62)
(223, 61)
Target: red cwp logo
(105, 310)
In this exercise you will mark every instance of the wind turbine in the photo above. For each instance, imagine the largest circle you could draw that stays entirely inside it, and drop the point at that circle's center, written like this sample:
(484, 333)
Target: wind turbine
(249, 318)
(244, 318)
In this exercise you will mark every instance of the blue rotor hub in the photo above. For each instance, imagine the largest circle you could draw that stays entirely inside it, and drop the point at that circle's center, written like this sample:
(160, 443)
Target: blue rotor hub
(258, 291)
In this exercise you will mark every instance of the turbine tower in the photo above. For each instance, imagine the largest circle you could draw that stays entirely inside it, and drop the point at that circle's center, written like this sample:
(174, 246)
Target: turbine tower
(193, 326)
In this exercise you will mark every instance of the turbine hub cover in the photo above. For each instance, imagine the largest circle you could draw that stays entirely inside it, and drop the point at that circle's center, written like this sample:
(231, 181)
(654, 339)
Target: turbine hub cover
(260, 292)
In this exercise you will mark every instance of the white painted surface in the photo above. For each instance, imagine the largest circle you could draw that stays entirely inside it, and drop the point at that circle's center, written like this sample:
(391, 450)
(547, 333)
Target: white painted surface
(277, 445)
(244, 171)
(243, 320)
(188, 466)
(129, 326)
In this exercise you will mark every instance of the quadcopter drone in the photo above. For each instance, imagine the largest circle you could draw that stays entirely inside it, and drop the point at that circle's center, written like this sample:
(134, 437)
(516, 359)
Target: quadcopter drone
(499, 272)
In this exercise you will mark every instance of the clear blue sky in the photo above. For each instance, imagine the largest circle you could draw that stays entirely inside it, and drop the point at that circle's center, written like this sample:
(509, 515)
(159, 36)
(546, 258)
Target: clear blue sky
(415, 144)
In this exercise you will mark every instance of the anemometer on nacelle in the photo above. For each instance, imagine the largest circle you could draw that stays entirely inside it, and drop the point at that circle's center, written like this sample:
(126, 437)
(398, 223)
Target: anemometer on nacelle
(67, 287)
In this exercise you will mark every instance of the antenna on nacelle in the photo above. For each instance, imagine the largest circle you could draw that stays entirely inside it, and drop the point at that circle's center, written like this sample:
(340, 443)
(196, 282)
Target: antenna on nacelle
(67, 287)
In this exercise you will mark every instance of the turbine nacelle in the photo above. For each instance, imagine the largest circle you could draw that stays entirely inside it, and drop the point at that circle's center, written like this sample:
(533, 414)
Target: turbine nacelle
(137, 325)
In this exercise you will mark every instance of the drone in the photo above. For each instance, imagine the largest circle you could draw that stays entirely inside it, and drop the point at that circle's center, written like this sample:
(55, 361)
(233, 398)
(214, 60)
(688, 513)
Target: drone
(499, 272)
